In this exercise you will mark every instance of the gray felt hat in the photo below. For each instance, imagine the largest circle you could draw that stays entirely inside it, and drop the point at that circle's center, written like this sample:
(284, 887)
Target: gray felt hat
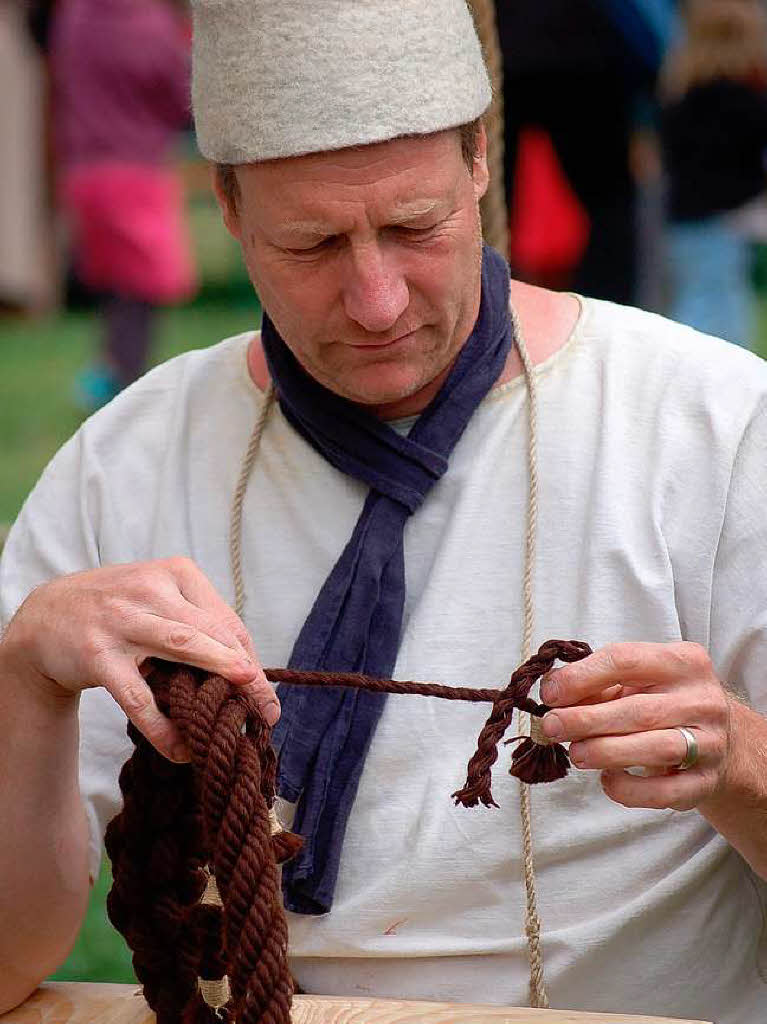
(277, 78)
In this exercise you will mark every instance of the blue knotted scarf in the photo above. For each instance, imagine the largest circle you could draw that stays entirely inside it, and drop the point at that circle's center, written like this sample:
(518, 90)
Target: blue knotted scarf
(323, 735)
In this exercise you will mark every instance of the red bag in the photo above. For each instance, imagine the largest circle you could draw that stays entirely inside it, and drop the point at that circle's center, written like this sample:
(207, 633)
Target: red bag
(549, 228)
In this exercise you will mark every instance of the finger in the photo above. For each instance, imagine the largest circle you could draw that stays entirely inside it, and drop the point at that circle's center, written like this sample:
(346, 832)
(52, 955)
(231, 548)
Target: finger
(639, 712)
(125, 683)
(680, 792)
(198, 591)
(611, 693)
(257, 686)
(154, 636)
(162, 595)
(643, 663)
(227, 629)
(182, 641)
(264, 697)
(663, 748)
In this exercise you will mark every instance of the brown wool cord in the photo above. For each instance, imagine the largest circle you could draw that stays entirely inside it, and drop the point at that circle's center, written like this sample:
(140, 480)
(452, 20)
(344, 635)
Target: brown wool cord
(531, 762)
(195, 849)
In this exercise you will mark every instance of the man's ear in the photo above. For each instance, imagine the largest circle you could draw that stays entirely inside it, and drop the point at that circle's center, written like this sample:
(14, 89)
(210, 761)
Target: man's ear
(481, 174)
(226, 204)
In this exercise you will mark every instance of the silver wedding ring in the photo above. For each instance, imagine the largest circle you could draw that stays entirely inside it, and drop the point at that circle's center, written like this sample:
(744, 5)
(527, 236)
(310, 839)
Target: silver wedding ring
(691, 755)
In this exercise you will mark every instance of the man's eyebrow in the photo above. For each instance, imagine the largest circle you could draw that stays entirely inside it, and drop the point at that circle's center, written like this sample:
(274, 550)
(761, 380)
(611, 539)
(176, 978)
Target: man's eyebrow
(305, 227)
(399, 215)
(411, 211)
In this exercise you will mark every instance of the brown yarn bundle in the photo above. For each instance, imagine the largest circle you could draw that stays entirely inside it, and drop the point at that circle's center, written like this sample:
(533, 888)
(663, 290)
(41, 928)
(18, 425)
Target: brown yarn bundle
(195, 849)
(182, 825)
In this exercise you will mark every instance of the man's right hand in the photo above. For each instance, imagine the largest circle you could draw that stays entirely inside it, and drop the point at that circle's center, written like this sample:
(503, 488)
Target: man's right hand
(97, 628)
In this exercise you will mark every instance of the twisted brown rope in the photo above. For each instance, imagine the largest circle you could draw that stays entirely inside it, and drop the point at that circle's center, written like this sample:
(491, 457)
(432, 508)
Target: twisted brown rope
(184, 825)
(495, 220)
(531, 761)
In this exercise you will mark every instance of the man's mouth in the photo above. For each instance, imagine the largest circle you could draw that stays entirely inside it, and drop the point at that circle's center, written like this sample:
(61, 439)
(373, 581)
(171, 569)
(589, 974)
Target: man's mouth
(378, 345)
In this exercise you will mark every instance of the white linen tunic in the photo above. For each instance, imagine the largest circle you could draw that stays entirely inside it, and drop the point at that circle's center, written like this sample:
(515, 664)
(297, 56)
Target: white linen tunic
(651, 526)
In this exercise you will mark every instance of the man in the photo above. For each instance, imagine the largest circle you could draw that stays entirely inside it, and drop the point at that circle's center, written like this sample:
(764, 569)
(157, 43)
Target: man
(384, 523)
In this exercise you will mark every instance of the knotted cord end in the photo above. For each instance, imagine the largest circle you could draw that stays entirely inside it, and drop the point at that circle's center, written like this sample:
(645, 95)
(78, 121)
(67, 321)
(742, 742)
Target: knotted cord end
(285, 844)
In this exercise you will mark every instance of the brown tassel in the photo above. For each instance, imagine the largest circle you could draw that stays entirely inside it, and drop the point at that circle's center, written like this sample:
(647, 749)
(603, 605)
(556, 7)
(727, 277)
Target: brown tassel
(538, 762)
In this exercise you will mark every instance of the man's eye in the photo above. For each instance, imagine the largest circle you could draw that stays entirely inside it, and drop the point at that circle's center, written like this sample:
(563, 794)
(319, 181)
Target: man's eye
(410, 232)
(326, 243)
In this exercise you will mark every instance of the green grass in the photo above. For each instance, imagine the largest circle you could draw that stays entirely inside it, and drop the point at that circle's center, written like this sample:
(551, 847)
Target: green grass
(100, 953)
(39, 364)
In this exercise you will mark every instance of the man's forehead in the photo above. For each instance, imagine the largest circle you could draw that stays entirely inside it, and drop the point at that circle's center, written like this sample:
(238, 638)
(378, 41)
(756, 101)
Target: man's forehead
(398, 180)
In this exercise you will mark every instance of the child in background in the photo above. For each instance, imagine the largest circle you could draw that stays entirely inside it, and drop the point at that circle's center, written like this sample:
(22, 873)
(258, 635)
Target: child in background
(714, 133)
(120, 71)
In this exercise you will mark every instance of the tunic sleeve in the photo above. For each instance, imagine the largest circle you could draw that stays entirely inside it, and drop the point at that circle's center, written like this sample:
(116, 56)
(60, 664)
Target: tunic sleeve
(53, 534)
(739, 591)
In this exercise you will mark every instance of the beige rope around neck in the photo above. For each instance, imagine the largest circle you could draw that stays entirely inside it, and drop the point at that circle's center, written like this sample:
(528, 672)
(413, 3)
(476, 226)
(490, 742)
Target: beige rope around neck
(538, 997)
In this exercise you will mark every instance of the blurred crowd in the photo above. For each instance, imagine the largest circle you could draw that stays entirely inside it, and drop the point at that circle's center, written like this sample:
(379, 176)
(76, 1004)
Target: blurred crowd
(635, 152)
(99, 95)
(635, 135)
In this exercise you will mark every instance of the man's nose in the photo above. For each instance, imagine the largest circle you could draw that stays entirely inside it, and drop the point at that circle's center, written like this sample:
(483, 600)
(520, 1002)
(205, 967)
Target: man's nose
(375, 291)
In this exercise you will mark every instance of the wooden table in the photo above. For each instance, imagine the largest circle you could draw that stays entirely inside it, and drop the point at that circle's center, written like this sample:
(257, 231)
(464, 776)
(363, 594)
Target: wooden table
(86, 1003)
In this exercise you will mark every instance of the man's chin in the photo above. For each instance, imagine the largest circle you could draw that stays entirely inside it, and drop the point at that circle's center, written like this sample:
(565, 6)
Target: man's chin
(388, 387)
(374, 395)
(398, 396)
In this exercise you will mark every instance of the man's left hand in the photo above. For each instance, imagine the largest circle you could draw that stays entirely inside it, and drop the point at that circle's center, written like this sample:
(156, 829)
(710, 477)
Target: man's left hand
(623, 707)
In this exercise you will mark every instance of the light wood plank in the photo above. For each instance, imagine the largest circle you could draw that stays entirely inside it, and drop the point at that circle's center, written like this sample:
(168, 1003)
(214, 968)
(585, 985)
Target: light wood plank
(82, 1003)
(87, 1003)
(335, 1010)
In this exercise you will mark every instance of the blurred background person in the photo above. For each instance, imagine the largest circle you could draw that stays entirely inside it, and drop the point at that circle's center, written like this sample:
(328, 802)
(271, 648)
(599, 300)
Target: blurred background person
(578, 71)
(120, 97)
(27, 279)
(714, 134)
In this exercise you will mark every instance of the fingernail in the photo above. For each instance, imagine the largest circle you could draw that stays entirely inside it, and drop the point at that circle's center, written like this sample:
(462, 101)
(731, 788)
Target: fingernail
(271, 713)
(552, 726)
(180, 754)
(549, 690)
(576, 755)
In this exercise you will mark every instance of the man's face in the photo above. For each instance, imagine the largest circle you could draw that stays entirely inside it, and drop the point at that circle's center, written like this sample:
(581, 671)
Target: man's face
(368, 262)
